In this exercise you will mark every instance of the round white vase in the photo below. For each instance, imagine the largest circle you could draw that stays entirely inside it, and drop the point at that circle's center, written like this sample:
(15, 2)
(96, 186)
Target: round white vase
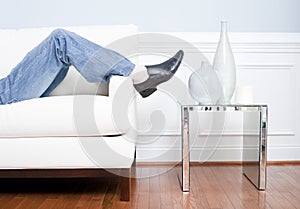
(205, 86)
(225, 66)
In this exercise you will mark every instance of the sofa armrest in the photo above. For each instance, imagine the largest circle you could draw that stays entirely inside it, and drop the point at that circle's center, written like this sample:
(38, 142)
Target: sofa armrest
(120, 85)
(123, 95)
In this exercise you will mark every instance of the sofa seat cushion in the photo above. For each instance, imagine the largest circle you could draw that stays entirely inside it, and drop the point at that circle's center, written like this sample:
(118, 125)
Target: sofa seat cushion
(66, 152)
(79, 115)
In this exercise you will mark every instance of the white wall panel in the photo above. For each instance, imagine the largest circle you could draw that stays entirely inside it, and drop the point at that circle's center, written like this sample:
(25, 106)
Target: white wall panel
(270, 62)
(156, 15)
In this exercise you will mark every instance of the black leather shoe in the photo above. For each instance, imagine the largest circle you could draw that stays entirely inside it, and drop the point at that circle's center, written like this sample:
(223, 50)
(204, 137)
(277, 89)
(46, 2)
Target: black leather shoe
(158, 74)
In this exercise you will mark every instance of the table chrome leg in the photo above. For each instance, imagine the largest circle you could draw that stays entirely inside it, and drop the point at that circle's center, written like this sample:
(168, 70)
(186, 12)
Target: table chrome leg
(185, 151)
(263, 148)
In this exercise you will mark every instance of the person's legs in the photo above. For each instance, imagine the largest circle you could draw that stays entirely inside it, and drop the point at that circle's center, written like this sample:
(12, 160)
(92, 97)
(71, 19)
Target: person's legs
(45, 66)
(158, 74)
(42, 69)
(139, 74)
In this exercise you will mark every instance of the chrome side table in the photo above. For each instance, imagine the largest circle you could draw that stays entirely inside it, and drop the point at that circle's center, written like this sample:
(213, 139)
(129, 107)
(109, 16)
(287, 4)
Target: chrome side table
(255, 126)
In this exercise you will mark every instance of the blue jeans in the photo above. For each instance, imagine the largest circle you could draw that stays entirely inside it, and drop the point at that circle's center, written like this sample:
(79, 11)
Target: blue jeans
(43, 68)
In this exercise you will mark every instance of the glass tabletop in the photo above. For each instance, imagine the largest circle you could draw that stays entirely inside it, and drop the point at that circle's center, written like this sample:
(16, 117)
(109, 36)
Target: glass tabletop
(226, 108)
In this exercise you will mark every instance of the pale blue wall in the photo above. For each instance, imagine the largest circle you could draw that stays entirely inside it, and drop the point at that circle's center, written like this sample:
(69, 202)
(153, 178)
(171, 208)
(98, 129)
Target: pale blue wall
(156, 15)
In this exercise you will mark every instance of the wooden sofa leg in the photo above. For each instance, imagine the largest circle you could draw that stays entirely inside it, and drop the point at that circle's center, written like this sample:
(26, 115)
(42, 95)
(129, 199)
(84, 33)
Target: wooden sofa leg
(125, 185)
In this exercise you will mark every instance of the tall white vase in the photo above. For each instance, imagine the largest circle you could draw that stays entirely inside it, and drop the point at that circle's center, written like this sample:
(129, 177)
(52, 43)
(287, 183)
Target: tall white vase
(225, 66)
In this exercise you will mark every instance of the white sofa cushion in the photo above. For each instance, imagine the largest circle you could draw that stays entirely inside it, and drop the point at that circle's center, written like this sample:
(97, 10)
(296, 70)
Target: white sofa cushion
(79, 115)
(66, 152)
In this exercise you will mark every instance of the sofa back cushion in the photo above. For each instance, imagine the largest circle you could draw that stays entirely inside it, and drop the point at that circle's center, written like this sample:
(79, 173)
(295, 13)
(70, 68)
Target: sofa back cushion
(15, 44)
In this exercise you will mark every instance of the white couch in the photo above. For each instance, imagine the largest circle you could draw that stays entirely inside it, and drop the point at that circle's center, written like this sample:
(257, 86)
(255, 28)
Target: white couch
(82, 130)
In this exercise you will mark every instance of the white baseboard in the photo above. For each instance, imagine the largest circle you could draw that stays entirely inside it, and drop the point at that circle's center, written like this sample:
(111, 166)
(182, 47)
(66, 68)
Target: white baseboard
(213, 155)
(167, 148)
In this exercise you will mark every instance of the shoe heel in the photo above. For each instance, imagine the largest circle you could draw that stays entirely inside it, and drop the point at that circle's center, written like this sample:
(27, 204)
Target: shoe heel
(147, 92)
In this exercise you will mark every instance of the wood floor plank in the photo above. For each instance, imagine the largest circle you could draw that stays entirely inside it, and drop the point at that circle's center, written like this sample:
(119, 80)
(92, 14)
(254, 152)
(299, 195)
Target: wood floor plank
(210, 193)
(154, 189)
(291, 179)
(292, 199)
(28, 199)
(221, 192)
(13, 203)
(211, 187)
(135, 189)
(197, 191)
(165, 189)
(85, 198)
(92, 195)
(49, 202)
(109, 195)
(5, 198)
(96, 200)
(176, 194)
(143, 196)
(37, 201)
(71, 195)
(280, 187)
(116, 203)
(230, 185)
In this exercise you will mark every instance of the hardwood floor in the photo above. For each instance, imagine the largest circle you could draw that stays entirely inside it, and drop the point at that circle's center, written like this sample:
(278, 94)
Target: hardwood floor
(159, 187)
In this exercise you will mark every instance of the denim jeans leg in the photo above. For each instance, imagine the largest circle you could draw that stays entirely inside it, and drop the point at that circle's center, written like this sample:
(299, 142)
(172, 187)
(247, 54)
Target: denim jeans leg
(46, 65)
(96, 64)
(32, 76)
